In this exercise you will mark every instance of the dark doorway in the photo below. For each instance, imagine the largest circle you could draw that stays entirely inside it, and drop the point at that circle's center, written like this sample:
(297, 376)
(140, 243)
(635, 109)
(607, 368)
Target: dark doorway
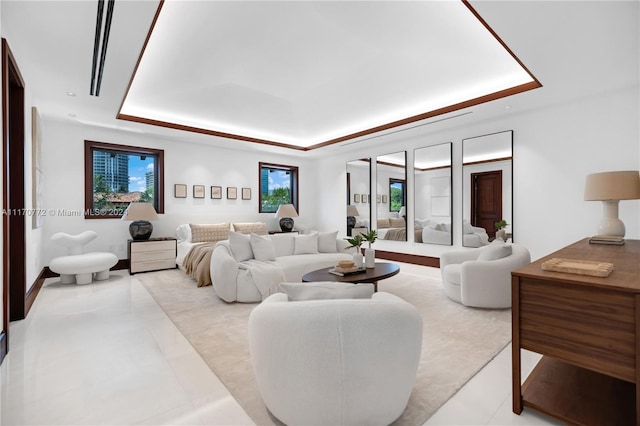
(486, 200)
(13, 201)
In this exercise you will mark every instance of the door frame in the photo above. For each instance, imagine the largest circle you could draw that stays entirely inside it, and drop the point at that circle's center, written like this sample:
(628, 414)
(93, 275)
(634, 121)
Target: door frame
(13, 195)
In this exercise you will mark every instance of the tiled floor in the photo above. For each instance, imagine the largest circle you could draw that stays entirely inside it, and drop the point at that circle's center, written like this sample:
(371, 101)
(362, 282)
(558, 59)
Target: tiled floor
(106, 353)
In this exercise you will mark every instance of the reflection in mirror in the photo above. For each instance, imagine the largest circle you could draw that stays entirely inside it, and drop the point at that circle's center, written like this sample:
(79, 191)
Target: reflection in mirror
(487, 197)
(358, 190)
(391, 196)
(433, 201)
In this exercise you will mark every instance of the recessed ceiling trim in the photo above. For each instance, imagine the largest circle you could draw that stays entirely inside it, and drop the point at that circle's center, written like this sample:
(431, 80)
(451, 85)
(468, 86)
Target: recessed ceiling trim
(429, 114)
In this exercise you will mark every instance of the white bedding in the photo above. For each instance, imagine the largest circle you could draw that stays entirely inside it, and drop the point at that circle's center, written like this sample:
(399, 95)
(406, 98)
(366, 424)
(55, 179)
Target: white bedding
(183, 249)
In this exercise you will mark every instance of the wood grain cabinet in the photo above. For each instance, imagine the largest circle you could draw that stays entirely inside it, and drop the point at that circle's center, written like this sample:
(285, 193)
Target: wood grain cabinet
(152, 255)
(587, 329)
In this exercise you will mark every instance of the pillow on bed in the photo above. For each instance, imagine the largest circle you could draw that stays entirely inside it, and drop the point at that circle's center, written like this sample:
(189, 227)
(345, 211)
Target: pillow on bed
(209, 233)
(384, 223)
(258, 228)
(183, 232)
(396, 222)
(326, 290)
(240, 246)
(262, 247)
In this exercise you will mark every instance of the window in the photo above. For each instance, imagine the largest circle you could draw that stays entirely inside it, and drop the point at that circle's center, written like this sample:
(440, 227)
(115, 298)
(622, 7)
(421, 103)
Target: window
(116, 175)
(278, 185)
(397, 194)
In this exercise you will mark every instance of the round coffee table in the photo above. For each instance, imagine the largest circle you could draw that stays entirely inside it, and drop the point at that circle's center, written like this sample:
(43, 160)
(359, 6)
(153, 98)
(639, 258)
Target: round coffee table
(381, 271)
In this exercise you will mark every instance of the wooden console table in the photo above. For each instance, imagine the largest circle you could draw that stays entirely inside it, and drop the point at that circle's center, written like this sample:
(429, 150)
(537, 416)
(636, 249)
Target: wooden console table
(588, 331)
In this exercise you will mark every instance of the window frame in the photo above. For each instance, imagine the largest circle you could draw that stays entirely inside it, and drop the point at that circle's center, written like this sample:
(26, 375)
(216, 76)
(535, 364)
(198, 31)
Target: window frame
(403, 182)
(91, 146)
(294, 183)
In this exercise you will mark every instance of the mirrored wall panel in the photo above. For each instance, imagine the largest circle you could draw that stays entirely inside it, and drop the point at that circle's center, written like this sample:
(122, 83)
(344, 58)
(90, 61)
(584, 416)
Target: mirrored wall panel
(487, 188)
(433, 198)
(358, 196)
(391, 196)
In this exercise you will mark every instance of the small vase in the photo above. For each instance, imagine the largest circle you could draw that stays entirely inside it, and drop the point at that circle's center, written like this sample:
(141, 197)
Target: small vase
(357, 259)
(502, 234)
(370, 258)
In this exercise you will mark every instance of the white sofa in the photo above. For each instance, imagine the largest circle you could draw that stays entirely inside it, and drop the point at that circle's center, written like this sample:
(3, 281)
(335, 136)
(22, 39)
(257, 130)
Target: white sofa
(335, 362)
(481, 277)
(474, 236)
(243, 268)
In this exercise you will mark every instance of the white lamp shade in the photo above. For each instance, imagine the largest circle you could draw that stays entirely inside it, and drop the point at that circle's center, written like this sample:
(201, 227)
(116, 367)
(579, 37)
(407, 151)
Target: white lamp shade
(286, 210)
(352, 210)
(622, 185)
(402, 212)
(140, 211)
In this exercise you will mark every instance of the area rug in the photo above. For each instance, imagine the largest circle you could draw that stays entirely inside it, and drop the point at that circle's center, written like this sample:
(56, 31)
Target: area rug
(457, 341)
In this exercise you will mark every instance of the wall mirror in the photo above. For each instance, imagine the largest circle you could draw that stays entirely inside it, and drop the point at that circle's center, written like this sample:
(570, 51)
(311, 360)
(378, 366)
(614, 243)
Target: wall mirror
(487, 187)
(433, 200)
(358, 191)
(391, 196)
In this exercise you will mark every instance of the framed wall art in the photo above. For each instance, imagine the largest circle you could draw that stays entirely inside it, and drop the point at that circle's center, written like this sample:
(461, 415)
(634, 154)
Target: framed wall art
(198, 191)
(356, 198)
(384, 199)
(180, 190)
(246, 193)
(216, 192)
(232, 193)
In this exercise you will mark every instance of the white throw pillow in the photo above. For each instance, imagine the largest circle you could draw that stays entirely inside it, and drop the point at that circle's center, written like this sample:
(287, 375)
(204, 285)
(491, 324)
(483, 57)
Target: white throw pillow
(183, 232)
(326, 290)
(306, 244)
(262, 247)
(240, 246)
(327, 242)
(495, 251)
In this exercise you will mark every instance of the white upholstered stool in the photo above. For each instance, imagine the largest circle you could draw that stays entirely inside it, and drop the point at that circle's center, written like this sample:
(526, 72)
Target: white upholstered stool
(77, 267)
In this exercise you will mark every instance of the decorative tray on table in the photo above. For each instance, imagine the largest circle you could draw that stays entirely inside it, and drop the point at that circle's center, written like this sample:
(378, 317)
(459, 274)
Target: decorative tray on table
(346, 267)
(577, 266)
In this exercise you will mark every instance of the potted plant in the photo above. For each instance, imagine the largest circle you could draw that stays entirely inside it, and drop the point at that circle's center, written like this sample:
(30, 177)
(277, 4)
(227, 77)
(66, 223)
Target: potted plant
(369, 253)
(500, 230)
(356, 241)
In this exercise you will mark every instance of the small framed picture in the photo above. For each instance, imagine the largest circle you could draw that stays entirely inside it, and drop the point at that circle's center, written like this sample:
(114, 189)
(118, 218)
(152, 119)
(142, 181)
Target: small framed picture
(198, 191)
(356, 198)
(232, 193)
(216, 192)
(384, 199)
(180, 190)
(246, 193)
(364, 198)
(378, 199)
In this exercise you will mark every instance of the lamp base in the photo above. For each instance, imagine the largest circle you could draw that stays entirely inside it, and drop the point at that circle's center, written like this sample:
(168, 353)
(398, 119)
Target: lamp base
(140, 230)
(286, 224)
(610, 224)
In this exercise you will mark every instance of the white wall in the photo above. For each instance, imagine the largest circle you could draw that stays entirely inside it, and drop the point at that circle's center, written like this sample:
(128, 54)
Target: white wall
(554, 150)
(186, 163)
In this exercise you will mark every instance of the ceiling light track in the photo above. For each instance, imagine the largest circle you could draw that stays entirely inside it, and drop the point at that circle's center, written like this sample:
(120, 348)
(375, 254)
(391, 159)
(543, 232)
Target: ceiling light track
(406, 128)
(100, 42)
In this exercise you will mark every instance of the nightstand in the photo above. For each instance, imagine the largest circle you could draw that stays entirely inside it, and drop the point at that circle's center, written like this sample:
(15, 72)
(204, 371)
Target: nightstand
(152, 255)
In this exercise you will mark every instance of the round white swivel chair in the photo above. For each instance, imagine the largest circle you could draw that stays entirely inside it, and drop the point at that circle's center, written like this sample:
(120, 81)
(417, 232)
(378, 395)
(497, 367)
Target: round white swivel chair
(77, 267)
(335, 362)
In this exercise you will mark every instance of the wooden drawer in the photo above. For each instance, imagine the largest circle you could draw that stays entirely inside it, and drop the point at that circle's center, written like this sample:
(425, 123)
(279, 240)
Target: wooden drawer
(146, 256)
(153, 246)
(153, 265)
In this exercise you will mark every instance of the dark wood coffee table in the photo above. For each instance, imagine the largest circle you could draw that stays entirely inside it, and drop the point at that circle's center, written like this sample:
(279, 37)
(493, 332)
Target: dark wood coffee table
(381, 271)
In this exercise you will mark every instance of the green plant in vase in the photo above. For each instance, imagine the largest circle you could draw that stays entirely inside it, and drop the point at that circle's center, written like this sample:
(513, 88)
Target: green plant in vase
(356, 241)
(500, 230)
(369, 253)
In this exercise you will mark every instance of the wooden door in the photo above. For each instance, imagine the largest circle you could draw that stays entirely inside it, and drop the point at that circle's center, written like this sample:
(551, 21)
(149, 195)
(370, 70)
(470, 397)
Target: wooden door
(486, 200)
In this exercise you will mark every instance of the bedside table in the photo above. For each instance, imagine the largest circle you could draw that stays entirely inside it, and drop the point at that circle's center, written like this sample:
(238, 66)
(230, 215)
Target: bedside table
(152, 255)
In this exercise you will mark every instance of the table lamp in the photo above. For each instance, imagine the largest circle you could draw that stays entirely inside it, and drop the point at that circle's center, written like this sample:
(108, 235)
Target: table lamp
(610, 188)
(402, 212)
(352, 212)
(286, 212)
(140, 214)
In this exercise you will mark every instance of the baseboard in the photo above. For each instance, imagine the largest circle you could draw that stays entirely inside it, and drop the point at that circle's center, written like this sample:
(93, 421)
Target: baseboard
(4, 345)
(414, 259)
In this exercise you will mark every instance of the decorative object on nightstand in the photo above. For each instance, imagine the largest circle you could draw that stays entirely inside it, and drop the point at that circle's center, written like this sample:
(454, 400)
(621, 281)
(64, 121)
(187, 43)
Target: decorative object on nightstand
(152, 254)
(352, 212)
(610, 188)
(140, 214)
(286, 212)
(501, 230)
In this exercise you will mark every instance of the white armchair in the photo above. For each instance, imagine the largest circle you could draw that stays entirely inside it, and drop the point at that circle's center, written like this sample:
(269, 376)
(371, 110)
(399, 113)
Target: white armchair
(335, 362)
(471, 280)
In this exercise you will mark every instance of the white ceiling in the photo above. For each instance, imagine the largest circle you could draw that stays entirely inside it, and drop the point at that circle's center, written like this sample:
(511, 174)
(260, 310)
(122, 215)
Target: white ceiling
(304, 73)
(575, 49)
